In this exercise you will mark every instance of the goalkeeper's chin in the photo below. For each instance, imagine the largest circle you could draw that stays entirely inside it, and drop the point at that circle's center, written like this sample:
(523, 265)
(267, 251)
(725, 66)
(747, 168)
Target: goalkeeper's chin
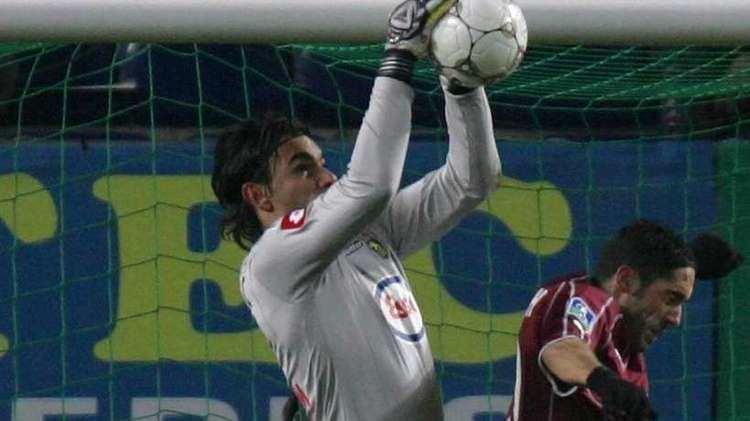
(648, 338)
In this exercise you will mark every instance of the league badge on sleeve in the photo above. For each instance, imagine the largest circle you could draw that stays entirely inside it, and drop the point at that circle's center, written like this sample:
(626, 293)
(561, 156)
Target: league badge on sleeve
(293, 220)
(581, 313)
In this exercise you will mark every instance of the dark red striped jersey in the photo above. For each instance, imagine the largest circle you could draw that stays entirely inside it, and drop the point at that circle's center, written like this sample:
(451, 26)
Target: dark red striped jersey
(570, 306)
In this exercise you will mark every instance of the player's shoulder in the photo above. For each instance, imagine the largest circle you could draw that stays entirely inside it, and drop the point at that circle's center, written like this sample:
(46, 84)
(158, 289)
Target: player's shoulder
(569, 280)
(579, 285)
(294, 220)
(271, 252)
(247, 277)
(291, 223)
(247, 263)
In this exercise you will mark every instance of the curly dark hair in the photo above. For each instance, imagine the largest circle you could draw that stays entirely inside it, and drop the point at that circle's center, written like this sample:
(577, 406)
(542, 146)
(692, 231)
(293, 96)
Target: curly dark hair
(244, 153)
(653, 250)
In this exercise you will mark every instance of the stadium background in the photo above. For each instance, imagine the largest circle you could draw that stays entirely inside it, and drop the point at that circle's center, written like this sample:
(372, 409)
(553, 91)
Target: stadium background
(119, 300)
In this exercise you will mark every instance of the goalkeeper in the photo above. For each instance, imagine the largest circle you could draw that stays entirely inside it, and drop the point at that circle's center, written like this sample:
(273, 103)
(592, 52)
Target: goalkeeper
(582, 341)
(324, 278)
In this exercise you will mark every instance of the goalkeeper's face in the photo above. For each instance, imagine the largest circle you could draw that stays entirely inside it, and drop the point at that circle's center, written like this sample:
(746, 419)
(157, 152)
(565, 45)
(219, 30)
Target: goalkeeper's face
(656, 307)
(298, 175)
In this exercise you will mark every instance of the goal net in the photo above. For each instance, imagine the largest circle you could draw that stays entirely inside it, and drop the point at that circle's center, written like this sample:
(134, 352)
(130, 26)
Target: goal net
(119, 299)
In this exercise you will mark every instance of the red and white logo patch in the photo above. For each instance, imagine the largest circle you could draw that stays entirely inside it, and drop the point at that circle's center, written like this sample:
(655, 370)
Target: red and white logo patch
(303, 399)
(294, 219)
(400, 309)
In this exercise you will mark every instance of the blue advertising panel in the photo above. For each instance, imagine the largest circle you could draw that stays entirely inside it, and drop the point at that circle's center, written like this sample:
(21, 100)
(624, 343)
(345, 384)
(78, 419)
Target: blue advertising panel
(119, 299)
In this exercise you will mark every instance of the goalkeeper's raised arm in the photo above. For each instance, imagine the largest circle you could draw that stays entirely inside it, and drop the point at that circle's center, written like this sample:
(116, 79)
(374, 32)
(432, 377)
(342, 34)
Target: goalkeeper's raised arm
(330, 294)
(424, 211)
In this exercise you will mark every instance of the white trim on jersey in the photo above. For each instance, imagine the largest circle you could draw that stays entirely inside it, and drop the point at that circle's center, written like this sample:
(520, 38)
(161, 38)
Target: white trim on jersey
(519, 379)
(599, 315)
(609, 334)
(554, 297)
(571, 294)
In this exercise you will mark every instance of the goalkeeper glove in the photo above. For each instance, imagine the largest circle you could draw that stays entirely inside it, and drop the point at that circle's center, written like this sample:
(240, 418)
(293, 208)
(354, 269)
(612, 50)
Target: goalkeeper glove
(621, 400)
(409, 27)
(714, 257)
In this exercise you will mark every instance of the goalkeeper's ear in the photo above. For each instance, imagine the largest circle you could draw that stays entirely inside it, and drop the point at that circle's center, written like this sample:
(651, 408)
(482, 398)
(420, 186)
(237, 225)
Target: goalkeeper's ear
(714, 257)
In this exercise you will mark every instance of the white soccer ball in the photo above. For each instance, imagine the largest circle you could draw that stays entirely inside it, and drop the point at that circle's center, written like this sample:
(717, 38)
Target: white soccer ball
(479, 41)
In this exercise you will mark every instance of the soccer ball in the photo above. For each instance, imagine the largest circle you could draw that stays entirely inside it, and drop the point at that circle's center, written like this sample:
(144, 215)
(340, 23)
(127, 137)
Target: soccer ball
(479, 41)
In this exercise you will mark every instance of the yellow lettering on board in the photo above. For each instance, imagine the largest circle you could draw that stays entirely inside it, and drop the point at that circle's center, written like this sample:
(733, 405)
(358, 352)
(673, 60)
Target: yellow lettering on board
(27, 209)
(539, 216)
(157, 270)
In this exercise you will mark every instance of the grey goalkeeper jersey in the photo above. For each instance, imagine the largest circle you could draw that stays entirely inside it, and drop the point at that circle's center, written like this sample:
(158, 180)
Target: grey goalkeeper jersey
(326, 285)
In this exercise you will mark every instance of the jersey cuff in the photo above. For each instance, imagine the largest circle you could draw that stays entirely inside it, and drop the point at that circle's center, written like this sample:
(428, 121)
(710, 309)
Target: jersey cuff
(470, 95)
(559, 387)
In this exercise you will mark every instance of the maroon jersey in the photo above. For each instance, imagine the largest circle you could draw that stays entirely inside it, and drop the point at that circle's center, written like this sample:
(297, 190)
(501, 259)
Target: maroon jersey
(571, 306)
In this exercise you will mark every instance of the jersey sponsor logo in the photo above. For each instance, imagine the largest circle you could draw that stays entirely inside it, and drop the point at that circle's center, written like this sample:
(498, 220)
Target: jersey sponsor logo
(378, 248)
(400, 309)
(580, 311)
(356, 245)
(294, 219)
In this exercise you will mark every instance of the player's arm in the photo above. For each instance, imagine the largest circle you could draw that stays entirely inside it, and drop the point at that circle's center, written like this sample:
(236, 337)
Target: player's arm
(575, 324)
(426, 210)
(306, 242)
(572, 361)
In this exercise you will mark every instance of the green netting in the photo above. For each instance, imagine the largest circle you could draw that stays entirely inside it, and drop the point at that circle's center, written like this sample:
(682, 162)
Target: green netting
(9, 49)
(599, 74)
(115, 287)
(734, 361)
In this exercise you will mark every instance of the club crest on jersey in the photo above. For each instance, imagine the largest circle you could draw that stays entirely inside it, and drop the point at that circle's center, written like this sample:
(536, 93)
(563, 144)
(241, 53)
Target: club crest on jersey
(580, 311)
(294, 219)
(400, 309)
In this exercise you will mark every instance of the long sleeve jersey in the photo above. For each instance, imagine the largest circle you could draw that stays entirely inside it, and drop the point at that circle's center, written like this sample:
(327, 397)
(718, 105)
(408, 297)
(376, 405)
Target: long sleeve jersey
(326, 285)
(571, 306)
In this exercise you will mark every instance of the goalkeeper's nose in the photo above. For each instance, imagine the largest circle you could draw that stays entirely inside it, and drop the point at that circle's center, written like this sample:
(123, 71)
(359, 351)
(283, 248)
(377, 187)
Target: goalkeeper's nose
(674, 316)
(325, 179)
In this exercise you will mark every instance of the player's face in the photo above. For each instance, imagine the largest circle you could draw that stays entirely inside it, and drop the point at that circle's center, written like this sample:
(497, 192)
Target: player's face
(656, 307)
(298, 174)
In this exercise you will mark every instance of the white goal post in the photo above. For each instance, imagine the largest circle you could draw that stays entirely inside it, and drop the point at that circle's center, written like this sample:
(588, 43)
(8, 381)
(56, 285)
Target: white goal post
(592, 22)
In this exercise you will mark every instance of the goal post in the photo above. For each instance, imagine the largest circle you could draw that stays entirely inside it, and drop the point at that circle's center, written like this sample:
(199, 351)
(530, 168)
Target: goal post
(119, 299)
(592, 22)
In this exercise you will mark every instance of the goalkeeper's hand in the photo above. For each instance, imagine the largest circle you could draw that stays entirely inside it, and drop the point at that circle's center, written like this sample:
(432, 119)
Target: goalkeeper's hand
(410, 25)
(714, 257)
(621, 400)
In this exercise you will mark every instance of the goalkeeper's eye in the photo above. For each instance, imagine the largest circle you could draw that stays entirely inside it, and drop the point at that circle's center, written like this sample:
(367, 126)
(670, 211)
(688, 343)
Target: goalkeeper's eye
(674, 298)
(301, 169)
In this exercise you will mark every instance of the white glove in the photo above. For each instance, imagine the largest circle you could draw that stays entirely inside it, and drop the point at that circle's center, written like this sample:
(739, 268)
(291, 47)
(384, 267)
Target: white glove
(410, 25)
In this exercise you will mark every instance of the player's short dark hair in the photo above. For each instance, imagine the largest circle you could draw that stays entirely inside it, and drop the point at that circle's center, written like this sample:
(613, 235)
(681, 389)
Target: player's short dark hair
(243, 154)
(653, 250)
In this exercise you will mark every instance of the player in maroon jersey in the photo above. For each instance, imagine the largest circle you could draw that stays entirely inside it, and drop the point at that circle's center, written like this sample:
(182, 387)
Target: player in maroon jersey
(582, 341)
